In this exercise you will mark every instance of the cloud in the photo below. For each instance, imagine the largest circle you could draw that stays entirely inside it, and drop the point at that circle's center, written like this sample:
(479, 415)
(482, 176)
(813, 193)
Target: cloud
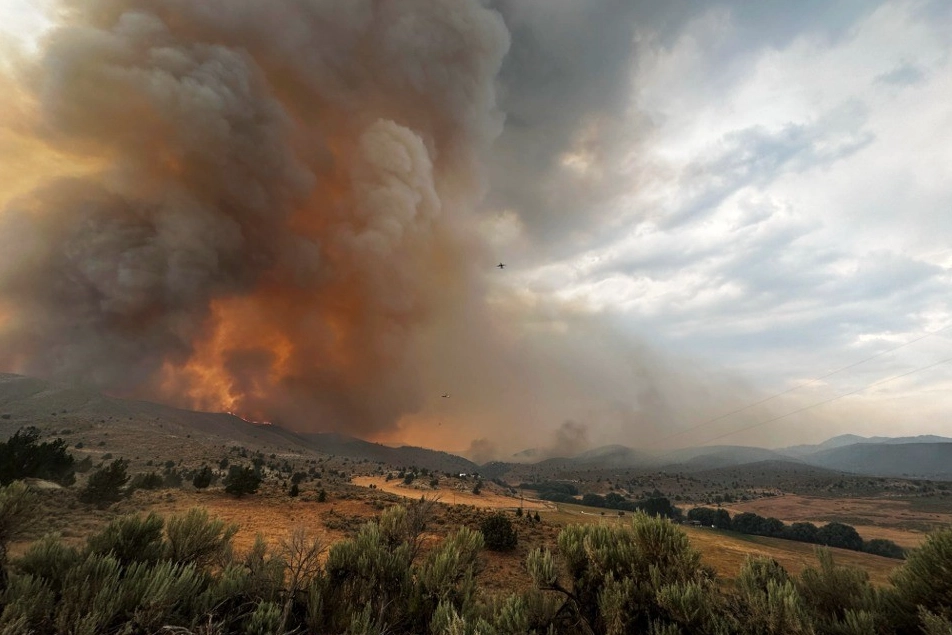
(903, 75)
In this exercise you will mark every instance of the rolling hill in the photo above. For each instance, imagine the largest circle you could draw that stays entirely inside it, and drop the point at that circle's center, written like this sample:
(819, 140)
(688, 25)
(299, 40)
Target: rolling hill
(141, 430)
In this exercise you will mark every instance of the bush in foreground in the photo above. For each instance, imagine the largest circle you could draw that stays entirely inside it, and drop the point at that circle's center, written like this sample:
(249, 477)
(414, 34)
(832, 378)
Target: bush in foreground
(182, 575)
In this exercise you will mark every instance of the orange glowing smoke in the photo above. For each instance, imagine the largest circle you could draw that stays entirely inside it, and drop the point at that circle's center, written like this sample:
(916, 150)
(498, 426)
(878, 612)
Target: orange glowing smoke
(278, 206)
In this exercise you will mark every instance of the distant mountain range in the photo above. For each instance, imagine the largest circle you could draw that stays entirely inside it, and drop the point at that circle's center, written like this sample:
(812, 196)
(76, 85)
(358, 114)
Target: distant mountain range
(852, 439)
(79, 415)
(926, 456)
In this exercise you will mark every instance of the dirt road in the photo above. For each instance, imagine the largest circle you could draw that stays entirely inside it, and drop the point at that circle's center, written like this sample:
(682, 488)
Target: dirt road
(452, 495)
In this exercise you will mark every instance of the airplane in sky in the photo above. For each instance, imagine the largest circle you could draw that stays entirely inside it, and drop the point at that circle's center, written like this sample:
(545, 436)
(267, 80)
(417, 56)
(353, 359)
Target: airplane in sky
(501, 265)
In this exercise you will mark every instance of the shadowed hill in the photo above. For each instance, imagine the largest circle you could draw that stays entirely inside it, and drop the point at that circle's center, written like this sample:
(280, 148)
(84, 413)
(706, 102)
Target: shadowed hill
(132, 428)
(403, 456)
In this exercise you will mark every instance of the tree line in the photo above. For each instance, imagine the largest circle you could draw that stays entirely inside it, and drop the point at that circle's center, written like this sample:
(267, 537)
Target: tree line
(833, 534)
(561, 492)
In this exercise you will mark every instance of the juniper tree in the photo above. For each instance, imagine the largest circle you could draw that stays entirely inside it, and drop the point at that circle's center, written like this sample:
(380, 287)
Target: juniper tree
(498, 533)
(203, 478)
(23, 456)
(105, 484)
(242, 480)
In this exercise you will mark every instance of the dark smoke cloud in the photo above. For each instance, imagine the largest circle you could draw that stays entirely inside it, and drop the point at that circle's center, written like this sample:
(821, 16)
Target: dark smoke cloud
(278, 179)
(566, 88)
(281, 218)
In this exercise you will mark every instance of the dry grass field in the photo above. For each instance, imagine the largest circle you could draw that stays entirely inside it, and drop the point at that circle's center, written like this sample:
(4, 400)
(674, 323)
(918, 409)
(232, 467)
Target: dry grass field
(274, 515)
(725, 551)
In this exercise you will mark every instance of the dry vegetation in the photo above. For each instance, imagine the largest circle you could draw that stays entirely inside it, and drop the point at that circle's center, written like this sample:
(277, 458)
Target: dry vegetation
(274, 515)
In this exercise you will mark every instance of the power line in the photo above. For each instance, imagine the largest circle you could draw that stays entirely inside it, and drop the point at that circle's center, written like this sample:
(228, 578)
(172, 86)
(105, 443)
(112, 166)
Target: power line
(799, 386)
(830, 400)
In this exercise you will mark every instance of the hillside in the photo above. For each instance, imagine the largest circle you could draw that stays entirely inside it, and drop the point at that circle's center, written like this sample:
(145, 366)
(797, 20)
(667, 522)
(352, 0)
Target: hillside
(142, 431)
(719, 456)
(403, 456)
(914, 460)
(845, 440)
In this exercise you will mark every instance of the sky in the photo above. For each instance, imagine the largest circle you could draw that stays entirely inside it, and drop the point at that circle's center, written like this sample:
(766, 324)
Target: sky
(750, 196)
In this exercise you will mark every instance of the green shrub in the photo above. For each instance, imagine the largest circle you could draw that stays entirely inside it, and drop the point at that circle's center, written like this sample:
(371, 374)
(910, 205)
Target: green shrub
(148, 481)
(832, 592)
(194, 538)
(17, 511)
(27, 602)
(593, 500)
(749, 523)
(367, 571)
(129, 539)
(265, 620)
(658, 506)
(446, 576)
(924, 582)
(629, 578)
(498, 533)
(802, 532)
(48, 559)
(172, 479)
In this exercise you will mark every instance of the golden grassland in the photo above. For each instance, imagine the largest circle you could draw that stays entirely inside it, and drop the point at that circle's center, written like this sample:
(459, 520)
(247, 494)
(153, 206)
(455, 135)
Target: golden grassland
(274, 515)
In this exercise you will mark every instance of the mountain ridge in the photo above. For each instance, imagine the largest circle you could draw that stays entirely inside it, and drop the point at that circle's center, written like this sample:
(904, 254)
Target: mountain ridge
(79, 414)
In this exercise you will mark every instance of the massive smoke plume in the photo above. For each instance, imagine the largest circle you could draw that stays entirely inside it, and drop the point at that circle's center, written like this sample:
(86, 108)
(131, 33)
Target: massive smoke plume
(283, 202)
(278, 215)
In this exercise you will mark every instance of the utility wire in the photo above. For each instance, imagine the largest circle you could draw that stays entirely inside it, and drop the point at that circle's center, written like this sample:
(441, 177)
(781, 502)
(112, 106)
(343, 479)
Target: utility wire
(799, 386)
(831, 399)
